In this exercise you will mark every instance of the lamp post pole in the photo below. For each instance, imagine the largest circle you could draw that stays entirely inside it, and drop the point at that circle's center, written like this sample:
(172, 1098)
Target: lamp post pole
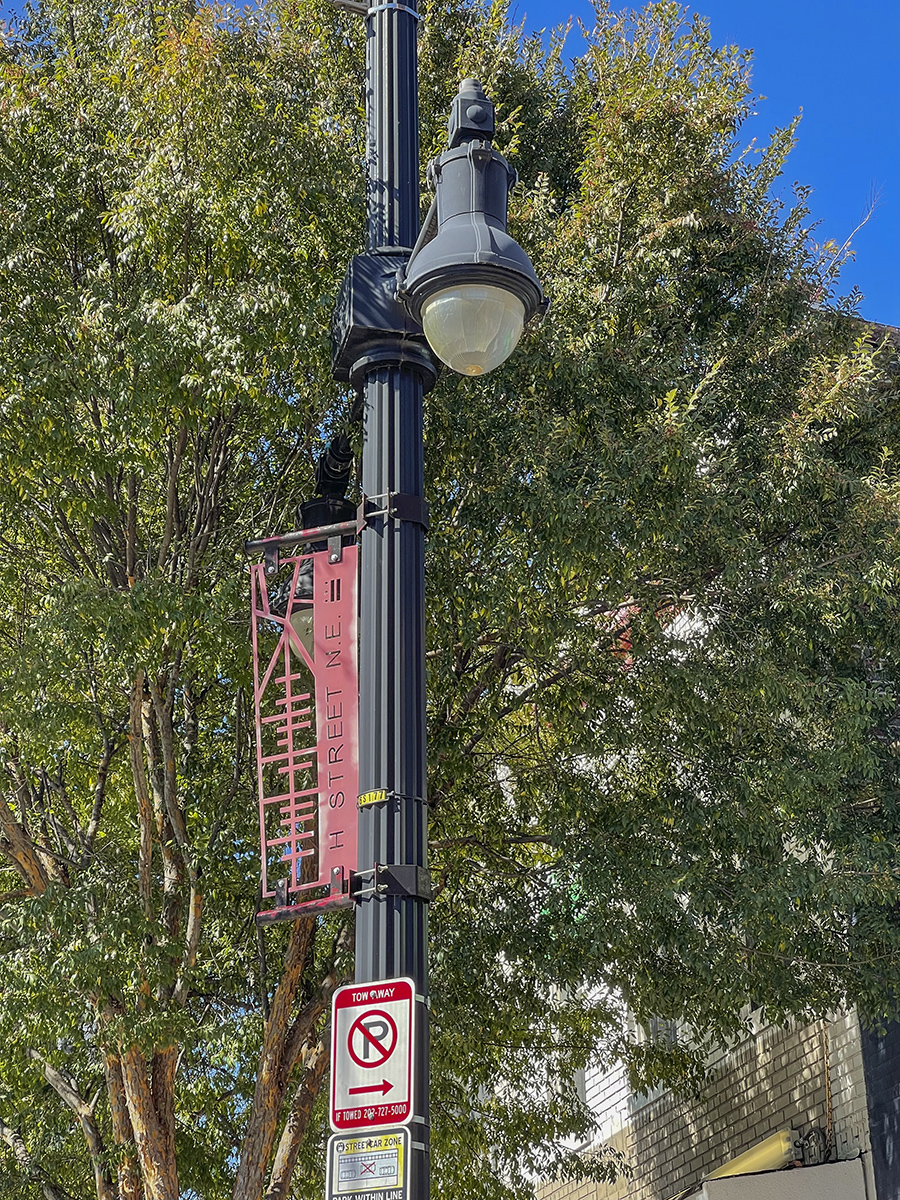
(392, 914)
(475, 287)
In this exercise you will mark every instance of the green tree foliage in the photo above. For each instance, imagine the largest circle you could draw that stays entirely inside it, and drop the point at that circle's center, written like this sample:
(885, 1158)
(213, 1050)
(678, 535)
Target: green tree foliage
(662, 592)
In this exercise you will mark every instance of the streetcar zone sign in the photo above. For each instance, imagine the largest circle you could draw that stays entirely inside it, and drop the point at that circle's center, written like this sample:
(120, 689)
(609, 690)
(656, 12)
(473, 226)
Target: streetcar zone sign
(368, 1166)
(372, 1052)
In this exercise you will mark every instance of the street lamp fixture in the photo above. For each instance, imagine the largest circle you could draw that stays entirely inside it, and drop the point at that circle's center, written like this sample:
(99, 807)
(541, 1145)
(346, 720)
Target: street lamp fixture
(470, 285)
(459, 292)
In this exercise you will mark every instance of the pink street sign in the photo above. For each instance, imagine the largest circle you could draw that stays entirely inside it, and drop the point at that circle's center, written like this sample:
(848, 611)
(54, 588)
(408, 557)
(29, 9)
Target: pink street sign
(305, 679)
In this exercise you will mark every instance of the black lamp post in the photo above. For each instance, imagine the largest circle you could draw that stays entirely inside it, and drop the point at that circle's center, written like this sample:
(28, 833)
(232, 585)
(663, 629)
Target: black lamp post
(472, 288)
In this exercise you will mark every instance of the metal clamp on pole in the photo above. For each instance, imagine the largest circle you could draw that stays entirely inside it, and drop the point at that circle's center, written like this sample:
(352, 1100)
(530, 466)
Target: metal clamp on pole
(272, 557)
(288, 908)
(392, 879)
(271, 546)
(399, 506)
(396, 8)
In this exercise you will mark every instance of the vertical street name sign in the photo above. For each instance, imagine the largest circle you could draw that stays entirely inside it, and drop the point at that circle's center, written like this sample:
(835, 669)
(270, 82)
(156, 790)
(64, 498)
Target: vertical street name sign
(337, 702)
(306, 687)
(372, 1049)
(372, 1166)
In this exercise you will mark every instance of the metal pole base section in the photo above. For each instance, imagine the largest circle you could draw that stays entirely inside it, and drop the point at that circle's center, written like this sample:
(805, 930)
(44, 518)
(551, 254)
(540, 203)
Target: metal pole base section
(392, 929)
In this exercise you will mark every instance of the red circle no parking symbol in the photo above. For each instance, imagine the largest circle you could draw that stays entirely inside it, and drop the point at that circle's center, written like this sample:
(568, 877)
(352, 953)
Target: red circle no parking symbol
(372, 1038)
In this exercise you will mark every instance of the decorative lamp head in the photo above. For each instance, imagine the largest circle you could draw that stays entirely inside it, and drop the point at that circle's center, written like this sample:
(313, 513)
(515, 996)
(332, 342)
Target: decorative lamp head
(470, 285)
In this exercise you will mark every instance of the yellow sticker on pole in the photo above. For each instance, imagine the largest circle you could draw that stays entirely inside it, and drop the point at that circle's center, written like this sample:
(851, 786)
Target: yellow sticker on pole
(376, 797)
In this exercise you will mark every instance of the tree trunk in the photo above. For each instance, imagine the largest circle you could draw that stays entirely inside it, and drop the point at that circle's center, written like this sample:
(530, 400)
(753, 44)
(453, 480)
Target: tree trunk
(315, 1064)
(130, 1187)
(162, 1074)
(157, 1165)
(272, 1076)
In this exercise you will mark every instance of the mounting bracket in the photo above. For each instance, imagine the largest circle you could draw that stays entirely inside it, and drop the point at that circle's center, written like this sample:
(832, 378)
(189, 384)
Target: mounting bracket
(400, 506)
(391, 879)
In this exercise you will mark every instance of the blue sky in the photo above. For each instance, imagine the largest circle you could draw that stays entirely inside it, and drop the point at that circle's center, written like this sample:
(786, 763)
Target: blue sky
(840, 64)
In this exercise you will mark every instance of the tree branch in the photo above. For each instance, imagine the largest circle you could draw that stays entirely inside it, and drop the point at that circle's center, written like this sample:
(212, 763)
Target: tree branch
(142, 794)
(524, 697)
(70, 1096)
(171, 861)
(172, 515)
(93, 826)
(27, 1164)
(240, 742)
(162, 707)
(191, 942)
(21, 851)
(131, 530)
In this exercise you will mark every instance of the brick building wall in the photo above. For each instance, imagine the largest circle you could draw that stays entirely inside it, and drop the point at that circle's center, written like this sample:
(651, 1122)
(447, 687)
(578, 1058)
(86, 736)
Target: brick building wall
(776, 1079)
(848, 1089)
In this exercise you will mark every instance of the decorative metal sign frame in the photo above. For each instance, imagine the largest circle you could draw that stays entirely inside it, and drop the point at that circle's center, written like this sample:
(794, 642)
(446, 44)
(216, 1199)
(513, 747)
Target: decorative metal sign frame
(306, 697)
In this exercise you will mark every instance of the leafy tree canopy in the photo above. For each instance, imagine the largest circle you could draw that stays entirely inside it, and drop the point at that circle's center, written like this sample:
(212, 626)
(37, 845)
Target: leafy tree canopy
(663, 580)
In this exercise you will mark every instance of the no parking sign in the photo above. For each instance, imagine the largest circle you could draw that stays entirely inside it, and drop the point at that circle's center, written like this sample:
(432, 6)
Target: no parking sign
(372, 1055)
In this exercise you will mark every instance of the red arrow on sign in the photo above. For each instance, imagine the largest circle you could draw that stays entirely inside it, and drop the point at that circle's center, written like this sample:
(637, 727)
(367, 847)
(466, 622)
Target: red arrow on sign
(384, 1087)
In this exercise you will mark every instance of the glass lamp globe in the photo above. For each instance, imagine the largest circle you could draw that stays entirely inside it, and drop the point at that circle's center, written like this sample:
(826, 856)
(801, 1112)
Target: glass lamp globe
(473, 327)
